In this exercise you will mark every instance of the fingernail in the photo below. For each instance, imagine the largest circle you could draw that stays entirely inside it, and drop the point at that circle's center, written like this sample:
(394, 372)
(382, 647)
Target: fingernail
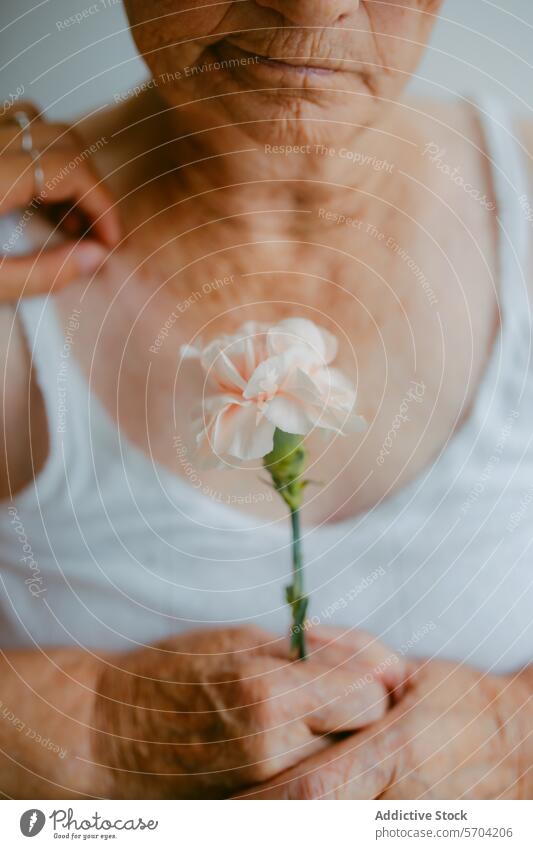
(89, 257)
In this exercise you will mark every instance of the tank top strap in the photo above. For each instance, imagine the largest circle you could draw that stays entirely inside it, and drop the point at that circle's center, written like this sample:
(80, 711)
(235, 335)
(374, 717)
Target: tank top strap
(51, 350)
(510, 181)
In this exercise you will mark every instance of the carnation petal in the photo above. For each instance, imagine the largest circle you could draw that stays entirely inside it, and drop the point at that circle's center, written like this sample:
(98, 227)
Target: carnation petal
(300, 332)
(238, 434)
(289, 415)
(327, 406)
(226, 372)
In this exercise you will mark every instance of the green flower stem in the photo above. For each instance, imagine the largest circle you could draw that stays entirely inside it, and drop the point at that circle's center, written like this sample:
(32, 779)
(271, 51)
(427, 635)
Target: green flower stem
(286, 464)
(295, 592)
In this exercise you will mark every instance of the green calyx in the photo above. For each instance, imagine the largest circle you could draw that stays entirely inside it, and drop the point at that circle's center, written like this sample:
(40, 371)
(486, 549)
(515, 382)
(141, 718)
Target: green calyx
(286, 465)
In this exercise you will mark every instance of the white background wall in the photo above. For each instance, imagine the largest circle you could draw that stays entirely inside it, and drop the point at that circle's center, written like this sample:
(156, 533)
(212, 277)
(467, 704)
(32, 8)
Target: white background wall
(478, 45)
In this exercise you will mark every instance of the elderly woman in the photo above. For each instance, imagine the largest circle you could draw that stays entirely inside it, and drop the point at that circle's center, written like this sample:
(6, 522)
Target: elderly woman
(270, 168)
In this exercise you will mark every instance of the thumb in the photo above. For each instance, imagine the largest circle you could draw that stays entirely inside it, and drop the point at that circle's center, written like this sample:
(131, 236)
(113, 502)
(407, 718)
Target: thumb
(48, 271)
(361, 767)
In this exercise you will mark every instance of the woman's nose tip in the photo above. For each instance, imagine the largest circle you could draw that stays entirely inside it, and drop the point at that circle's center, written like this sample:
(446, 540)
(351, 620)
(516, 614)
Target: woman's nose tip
(312, 13)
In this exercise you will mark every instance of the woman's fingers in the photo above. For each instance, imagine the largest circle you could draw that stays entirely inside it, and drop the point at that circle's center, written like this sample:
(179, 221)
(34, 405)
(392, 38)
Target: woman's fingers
(323, 700)
(359, 653)
(360, 767)
(354, 649)
(60, 185)
(337, 695)
(50, 271)
(67, 172)
(63, 179)
(279, 749)
(340, 701)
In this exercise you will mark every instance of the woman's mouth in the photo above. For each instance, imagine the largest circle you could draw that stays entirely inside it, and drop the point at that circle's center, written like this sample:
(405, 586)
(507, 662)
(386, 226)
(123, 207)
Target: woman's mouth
(293, 67)
(273, 67)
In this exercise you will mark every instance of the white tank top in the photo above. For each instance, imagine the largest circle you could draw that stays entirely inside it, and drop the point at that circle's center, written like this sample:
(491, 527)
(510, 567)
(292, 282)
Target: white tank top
(106, 549)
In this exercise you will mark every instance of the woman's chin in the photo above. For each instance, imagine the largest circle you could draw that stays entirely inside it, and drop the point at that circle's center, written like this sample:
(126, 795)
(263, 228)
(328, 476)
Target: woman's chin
(267, 96)
(284, 117)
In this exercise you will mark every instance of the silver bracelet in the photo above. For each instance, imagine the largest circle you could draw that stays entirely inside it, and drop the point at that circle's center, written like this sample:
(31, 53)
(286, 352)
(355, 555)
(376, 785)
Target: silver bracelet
(27, 146)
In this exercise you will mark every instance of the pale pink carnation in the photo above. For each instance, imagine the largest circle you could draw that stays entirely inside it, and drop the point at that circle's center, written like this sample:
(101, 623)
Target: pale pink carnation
(265, 377)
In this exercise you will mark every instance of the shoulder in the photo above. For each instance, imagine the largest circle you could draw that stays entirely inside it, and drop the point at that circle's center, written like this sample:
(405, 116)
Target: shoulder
(452, 134)
(447, 146)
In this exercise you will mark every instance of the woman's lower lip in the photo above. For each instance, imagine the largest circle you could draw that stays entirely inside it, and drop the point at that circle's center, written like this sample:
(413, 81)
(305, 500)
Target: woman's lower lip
(254, 61)
(301, 69)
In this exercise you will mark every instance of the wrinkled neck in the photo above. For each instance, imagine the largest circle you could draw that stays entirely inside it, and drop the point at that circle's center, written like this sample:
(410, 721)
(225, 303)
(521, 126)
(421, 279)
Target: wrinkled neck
(233, 174)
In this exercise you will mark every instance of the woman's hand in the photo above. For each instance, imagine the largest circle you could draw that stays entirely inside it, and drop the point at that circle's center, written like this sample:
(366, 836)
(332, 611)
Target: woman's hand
(208, 713)
(70, 193)
(456, 734)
